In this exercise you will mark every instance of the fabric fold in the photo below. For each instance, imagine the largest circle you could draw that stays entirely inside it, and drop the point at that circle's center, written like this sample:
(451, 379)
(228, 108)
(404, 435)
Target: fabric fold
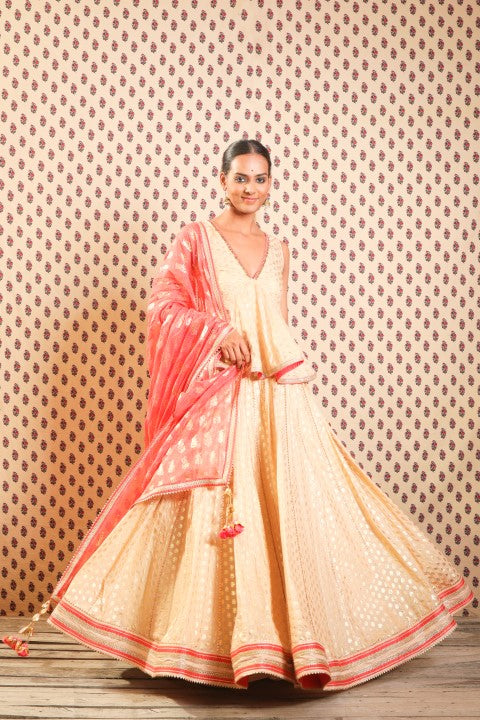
(191, 397)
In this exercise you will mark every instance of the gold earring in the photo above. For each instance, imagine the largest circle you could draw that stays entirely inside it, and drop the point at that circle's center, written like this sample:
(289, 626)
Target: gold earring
(266, 202)
(226, 201)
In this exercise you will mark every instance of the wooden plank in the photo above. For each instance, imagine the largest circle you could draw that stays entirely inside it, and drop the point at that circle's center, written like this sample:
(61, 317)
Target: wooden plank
(120, 714)
(438, 666)
(457, 665)
(129, 714)
(62, 679)
(201, 700)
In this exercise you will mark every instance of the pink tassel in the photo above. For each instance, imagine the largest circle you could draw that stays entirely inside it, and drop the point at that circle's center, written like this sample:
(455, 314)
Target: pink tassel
(230, 530)
(19, 644)
(231, 527)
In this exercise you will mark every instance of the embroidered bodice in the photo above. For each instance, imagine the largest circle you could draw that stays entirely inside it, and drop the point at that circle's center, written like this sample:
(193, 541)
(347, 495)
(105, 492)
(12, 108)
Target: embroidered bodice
(253, 305)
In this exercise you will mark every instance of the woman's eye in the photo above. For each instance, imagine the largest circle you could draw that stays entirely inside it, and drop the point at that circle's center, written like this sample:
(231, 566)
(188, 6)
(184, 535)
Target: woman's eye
(239, 178)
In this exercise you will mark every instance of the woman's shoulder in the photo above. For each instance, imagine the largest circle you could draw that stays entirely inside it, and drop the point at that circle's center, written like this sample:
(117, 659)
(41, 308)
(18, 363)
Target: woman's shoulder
(190, 234)
(275, 238)
(281, 250)
(279, 242)
(191, 228)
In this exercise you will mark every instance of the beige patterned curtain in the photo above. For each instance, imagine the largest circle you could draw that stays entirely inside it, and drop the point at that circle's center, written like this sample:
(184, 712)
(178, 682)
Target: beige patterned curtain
(113, 119)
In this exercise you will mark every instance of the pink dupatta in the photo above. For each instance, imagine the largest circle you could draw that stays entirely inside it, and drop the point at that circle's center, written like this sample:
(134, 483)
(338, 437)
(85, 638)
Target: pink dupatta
(190, 420)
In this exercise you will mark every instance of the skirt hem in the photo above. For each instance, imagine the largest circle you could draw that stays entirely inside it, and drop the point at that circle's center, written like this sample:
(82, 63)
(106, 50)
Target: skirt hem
(306, 667)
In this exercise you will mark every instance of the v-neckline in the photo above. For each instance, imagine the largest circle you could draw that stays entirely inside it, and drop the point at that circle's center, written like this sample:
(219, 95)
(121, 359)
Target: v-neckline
(264, 258)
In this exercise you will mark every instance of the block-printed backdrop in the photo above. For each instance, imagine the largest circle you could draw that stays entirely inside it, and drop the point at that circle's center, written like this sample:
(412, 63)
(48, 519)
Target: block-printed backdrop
(113, 119)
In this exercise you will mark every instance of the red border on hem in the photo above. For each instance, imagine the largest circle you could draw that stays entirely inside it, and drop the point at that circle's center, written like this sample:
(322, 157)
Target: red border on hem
(305, 670)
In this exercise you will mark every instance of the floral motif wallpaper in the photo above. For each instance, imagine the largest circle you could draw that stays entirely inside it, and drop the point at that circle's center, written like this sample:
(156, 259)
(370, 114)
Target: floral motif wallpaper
(113, 118)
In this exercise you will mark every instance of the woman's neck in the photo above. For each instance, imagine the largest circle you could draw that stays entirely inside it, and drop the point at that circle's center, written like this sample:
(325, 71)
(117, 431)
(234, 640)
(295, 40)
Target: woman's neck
(237, 222)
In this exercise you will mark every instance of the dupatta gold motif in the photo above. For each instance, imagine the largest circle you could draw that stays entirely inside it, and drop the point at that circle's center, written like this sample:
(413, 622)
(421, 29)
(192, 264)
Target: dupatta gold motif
(190, 417)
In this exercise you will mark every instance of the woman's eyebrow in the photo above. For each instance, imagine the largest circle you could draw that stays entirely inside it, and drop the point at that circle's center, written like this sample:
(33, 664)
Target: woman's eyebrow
(246, 174)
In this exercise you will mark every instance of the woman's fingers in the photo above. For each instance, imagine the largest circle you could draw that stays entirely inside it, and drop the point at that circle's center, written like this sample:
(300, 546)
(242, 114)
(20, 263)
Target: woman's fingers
(234, 355)
(236, 349)
(245, 350)
(228, 353)
(238, 356)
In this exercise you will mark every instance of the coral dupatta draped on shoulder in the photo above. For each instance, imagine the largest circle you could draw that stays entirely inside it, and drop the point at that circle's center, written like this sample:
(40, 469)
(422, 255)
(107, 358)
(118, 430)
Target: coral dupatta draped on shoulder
(190, 418)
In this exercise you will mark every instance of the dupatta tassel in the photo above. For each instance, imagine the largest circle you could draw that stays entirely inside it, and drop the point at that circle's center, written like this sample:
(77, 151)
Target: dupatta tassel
(232, 527)
(20, 644)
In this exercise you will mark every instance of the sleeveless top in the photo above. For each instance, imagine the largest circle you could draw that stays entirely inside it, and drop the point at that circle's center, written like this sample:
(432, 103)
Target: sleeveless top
(253, 305)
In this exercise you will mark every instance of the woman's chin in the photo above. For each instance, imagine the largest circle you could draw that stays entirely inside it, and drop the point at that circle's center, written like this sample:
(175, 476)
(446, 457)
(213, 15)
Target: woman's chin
(245, 207)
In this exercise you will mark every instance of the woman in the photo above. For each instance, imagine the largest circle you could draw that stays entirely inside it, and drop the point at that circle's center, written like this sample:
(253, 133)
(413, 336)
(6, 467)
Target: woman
(316, 577)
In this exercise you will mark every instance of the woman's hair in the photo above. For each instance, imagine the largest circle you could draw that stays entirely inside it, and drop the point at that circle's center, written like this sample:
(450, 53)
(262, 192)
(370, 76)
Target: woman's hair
(244, 147)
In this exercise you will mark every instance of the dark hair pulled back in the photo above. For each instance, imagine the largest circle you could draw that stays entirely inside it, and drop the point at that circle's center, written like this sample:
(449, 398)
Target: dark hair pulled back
(244, 147)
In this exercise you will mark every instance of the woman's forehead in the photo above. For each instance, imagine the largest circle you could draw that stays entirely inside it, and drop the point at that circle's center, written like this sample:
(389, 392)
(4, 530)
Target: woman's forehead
(253, 163)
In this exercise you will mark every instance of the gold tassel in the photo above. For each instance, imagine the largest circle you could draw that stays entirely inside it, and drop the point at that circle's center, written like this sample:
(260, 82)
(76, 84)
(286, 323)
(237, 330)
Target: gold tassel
(232, 527)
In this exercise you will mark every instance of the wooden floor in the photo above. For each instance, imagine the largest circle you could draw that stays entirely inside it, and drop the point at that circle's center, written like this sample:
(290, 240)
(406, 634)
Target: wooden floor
(62, 679)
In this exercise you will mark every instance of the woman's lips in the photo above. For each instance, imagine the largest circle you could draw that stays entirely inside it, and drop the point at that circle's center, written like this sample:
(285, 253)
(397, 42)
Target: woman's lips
(249, 199)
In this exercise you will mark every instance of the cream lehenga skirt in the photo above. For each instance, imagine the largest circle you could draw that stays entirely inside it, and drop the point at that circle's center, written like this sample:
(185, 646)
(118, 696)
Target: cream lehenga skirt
(328, 585)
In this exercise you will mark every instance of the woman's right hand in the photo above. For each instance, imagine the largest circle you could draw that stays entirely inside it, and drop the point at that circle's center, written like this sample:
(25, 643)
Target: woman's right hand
(235, 349)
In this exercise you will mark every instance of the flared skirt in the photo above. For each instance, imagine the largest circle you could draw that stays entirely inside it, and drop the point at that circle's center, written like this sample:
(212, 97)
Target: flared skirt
(329, 585)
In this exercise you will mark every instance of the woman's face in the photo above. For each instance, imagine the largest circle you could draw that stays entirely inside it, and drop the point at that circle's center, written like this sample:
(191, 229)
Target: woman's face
(247, 182)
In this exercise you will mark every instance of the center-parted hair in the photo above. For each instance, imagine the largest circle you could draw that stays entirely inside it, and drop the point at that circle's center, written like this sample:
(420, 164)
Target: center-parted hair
(244, 147)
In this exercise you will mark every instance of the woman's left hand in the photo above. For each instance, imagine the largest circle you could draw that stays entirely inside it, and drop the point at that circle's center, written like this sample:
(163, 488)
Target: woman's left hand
(236, 349)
